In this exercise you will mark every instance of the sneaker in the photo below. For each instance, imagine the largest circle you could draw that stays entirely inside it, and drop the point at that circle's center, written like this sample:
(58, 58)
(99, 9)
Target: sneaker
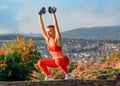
(68, 76)
(48, 78)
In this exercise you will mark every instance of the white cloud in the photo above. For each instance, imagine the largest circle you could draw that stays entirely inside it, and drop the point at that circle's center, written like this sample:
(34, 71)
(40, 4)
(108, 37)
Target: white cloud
(90, 17)
(3, 31)
(27, 19)
(24, 16)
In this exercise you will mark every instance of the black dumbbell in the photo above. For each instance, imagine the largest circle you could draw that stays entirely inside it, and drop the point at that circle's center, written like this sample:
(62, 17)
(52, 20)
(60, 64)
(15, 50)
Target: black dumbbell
(52, 9)
(42, 11)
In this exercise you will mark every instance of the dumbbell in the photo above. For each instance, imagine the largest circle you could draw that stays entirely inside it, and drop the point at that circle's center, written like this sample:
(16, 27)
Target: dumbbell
(42, 11)
(52, 9)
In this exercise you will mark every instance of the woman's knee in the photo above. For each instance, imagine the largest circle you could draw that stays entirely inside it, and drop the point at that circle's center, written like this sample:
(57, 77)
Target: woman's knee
(40, 63)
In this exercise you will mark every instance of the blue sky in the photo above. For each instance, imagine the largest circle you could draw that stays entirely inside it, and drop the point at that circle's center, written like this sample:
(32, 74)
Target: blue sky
(20, 16)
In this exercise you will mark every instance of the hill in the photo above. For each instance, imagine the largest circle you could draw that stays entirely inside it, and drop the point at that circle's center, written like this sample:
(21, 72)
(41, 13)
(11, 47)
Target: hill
(106, 32)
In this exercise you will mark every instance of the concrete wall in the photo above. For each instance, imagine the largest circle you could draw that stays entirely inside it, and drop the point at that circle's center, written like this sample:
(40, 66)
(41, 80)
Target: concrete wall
(63, 83)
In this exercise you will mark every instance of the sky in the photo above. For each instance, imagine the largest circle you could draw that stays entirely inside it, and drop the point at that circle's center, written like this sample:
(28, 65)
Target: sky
(20, 16)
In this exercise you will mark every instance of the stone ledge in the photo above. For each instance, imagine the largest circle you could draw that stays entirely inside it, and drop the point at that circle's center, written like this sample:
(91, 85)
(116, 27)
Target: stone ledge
(75, 82)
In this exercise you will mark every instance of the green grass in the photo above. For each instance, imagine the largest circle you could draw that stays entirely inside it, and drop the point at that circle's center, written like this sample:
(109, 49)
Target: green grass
(101, 72)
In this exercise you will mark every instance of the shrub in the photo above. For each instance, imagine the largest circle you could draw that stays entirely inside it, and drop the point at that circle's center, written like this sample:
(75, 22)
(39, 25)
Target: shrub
(17, 59)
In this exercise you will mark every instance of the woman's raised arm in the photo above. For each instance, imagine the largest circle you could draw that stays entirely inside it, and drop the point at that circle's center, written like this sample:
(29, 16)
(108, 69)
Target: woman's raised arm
(42, 28)
(58, 35)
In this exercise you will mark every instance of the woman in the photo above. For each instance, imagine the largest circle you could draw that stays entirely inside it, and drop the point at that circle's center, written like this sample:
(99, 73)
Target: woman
(53, 39)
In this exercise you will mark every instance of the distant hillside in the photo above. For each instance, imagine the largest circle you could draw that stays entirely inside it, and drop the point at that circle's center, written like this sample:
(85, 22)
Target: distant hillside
(12, 36)
(107, 32)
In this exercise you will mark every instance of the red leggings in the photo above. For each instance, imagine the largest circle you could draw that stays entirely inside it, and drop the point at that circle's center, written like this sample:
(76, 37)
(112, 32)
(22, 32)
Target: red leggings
(61, 63)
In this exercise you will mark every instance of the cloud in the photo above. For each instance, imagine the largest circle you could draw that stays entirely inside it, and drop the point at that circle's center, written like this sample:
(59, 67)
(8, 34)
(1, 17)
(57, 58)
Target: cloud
(20, 16)
(27, 18)
(7, 17)
(3, 31)
(17, 16)
(94, 14)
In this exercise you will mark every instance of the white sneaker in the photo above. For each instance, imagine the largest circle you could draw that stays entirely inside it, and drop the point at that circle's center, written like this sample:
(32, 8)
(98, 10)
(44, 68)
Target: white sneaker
(68, 76)
(48, 78)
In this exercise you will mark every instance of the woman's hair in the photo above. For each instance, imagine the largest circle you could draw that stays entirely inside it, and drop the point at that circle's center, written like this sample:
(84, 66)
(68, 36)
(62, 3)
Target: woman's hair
(50, 26)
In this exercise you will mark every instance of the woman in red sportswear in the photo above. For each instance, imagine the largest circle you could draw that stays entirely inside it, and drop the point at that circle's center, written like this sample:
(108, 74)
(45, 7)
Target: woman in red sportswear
(53, 39)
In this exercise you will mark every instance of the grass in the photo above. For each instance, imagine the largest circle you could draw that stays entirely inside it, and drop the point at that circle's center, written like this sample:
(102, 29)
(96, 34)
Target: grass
(101, 72)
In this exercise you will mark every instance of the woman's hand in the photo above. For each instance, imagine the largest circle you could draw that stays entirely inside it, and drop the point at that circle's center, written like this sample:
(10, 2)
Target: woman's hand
(42, 11)
(52, 9)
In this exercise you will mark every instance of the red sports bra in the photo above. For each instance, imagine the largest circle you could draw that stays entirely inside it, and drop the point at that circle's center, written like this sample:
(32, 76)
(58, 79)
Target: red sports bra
(52, 47)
